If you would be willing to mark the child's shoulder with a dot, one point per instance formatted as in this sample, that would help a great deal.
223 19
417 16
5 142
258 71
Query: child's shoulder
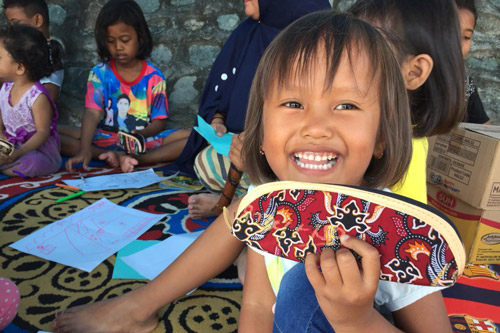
6 85
152 68
101 67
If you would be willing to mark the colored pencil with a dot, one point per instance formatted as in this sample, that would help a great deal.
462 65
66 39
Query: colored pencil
69 187
70 196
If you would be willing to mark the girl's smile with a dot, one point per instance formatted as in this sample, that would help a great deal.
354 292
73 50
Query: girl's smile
318 134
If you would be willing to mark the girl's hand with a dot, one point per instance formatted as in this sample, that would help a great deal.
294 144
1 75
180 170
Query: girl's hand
84 156
235 150
5 159
218 124
345 291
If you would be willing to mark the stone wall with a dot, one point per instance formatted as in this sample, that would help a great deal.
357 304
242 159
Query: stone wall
188 35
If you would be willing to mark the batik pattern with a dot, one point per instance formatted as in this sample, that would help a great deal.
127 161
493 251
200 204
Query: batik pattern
291 223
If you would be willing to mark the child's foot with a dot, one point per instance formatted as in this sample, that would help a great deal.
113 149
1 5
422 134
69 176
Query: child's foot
201 205
127 163
120 314
111 158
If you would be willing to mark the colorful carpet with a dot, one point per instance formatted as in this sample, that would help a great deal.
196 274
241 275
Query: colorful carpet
473 303
47 287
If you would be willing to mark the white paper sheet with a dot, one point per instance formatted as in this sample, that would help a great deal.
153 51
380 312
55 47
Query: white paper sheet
117 181
86 238
153 260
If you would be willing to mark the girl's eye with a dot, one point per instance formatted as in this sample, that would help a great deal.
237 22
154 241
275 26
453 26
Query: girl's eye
293 105
346 106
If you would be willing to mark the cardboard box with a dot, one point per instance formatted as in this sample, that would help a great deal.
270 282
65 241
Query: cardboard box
478 228
466 162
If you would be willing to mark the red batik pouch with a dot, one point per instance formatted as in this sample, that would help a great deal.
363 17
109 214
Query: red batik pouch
417 243
132 143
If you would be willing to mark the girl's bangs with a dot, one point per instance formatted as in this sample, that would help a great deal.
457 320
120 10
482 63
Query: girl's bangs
294 58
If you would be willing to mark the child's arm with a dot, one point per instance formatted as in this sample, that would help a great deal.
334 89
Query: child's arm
155 127
258 297
235 150
2 128
90 120
53 90
209 255
428 314
42 115
345 291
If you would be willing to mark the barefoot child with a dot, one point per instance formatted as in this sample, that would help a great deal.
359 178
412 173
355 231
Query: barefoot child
35 13
225 96
135 88
28 115
215 249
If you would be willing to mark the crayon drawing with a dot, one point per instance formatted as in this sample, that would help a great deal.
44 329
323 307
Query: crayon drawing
86 238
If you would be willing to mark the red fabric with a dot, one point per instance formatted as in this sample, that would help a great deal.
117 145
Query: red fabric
291 223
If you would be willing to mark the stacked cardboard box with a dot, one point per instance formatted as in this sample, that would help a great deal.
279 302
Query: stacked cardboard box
463 175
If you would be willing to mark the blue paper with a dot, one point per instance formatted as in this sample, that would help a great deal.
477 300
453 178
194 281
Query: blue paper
220 143
124 271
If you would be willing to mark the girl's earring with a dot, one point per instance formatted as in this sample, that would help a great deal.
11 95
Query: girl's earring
379 156
261 151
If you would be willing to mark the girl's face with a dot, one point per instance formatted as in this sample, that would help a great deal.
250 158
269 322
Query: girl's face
7 64
122 43
252 9
467 20
324 136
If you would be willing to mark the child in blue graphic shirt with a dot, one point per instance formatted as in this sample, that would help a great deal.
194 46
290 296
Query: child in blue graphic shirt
124 93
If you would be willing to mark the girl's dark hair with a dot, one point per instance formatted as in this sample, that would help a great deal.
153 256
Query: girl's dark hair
425 27
123 96
55 54
292 55
470 5
27 46
30 8
128 12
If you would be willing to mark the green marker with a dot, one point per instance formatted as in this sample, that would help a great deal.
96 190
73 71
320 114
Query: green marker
70 196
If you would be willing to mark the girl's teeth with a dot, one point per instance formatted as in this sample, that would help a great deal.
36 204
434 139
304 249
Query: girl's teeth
325 166
314 157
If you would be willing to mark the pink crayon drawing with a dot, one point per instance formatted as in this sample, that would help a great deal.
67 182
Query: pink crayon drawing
88 237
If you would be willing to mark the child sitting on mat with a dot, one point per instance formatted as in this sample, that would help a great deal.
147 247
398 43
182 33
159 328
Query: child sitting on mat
132 87
35 13
28 115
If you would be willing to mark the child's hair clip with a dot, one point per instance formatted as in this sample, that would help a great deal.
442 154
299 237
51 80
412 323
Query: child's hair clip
132 143
417 243
6 148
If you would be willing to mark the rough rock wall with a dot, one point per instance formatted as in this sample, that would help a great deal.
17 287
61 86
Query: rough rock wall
188 35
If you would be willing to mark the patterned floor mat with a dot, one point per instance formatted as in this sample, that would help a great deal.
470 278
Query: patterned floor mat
47 287
473 303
